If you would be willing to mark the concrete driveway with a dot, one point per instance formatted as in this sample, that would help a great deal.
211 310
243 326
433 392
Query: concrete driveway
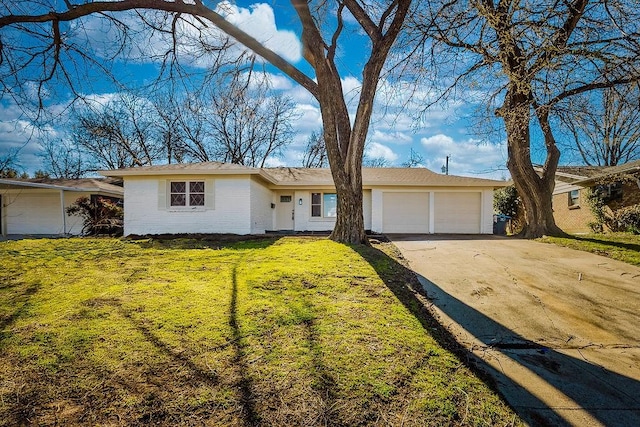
558 329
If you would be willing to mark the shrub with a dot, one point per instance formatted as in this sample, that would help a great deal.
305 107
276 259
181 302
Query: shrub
597 206
506 201
101 216
626 219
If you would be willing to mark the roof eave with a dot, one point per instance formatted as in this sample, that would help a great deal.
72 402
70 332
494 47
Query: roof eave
594 179
177 172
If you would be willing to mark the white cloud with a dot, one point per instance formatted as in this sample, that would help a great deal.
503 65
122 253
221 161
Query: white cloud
19 138
309 119
376 150
193 35
400 138
468 157
274 162
351 87
259 21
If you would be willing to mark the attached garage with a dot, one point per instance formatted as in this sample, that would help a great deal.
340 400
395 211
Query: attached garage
405 212
38 207
458 212
38 213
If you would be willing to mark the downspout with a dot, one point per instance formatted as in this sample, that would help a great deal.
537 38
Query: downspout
64 216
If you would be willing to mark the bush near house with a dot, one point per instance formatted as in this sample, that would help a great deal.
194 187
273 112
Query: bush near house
506 201
101 216
626 219
622 219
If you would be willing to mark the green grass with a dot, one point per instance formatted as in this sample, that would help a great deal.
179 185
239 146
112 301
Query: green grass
621 246
274 332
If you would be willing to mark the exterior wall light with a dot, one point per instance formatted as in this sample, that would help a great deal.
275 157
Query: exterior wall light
300 201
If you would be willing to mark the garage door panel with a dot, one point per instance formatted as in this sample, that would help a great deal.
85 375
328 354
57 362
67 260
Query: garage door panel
34 214
405 212
457 212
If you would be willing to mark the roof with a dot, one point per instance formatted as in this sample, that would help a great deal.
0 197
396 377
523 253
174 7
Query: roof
379 177
571 173
288 176
584 175
202 168
629 167
94 185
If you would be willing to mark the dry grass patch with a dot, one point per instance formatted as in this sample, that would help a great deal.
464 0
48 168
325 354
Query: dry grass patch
295 331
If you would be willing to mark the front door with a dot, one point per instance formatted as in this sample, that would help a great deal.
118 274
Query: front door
284 211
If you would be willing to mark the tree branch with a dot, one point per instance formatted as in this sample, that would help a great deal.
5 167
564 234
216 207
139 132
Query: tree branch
198 10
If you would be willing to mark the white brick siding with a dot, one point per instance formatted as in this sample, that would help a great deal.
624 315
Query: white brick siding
231 211
262 216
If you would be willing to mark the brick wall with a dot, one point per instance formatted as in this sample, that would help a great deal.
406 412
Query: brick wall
572 219
630 196
575 219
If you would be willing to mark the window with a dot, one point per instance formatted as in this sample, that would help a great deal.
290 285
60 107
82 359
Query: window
330 205
187 193
609 192
285 199
574 198
324 205
316 204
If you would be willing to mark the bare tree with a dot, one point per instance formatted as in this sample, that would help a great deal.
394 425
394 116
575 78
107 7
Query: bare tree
315 153
10 172
169 132
604 127
322 37
375 162
63 159
6 166
118 134
247 123
415 159
538 55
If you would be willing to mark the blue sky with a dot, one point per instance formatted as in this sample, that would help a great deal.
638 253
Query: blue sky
397 126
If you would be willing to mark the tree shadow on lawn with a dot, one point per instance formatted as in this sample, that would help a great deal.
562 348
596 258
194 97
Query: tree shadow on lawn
621 245
203 241
585 383
240 360
22 302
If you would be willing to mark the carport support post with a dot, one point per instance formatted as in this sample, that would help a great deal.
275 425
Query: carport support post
64 216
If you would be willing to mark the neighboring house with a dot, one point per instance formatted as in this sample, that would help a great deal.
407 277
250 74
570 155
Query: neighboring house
38 207
216 197
618 185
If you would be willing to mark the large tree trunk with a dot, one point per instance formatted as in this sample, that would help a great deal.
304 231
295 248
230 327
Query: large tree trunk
535 190
349 226
344 143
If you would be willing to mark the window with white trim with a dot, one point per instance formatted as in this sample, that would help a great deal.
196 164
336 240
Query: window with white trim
574 198
186 193
324 205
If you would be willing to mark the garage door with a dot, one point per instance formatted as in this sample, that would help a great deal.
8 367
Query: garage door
405 212
457 212
34 214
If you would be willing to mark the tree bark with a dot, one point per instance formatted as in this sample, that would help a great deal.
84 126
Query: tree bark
345 144
535 191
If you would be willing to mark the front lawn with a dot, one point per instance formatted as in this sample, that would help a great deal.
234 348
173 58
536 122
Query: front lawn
294 331
621 246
